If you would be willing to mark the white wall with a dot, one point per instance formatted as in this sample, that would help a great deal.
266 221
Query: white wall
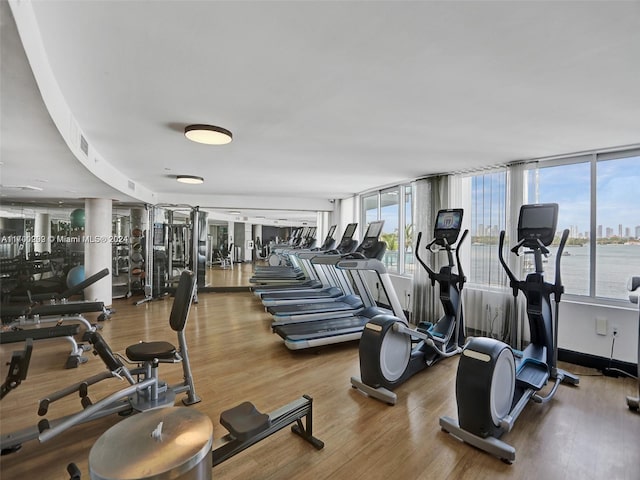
577 325
248 242
347 213
402 286
577 330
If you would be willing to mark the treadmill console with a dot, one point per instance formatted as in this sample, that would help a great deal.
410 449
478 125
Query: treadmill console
447 228
328 241
371 236
347 236
537 224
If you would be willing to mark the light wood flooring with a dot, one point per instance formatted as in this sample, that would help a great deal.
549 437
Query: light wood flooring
586 432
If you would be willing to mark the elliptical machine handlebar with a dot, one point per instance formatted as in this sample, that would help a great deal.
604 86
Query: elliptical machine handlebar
463 279
424 265
559 288
513 281
449 248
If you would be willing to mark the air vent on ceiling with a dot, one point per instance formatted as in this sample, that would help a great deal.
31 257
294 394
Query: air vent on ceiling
84 145
23 187
132 186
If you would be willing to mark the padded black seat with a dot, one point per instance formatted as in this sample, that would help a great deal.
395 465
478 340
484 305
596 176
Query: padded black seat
150 354
147 351
244 421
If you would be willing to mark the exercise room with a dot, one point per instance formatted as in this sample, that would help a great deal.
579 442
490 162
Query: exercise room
328 240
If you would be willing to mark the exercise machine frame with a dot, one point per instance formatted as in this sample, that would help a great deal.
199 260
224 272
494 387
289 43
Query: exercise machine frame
391 352
492 387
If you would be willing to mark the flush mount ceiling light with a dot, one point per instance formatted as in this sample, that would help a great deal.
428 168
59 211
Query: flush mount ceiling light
208 134
190 179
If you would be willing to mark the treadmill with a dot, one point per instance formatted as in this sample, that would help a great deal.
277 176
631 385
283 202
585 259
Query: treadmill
303 237
305 333
318 277
370 247
336 284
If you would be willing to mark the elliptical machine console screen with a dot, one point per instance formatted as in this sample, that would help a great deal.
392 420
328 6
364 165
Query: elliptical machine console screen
448 224
537 222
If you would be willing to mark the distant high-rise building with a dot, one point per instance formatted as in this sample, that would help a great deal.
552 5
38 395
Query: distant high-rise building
480 230
609 232
627 232
638 231
620 230
599 234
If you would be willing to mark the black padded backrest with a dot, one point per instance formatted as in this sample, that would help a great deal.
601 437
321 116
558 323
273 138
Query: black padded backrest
84 284
104 351
182 300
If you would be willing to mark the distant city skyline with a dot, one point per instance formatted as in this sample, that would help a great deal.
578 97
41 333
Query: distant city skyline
574 231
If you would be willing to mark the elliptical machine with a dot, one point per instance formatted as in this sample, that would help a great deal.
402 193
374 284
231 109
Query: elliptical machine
494 383
390 351
634 286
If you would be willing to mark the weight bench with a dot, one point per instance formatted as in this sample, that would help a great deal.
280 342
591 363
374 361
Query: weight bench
17 368
144 390
66 332
22 316
66 294
64 311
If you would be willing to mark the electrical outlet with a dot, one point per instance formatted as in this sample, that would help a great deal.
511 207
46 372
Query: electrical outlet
601 326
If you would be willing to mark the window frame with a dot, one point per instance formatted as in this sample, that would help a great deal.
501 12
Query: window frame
402 220
592 158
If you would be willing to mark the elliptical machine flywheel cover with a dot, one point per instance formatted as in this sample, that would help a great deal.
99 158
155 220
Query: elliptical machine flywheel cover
384 354
485 386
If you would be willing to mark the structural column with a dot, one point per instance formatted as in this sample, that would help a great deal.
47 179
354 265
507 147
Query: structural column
97 247
42 233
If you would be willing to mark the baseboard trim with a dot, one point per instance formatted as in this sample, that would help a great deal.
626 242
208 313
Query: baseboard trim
584 359
599 363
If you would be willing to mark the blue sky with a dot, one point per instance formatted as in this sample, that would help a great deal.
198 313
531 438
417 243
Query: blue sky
569 186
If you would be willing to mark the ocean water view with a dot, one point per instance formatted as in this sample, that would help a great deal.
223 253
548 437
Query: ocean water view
614 265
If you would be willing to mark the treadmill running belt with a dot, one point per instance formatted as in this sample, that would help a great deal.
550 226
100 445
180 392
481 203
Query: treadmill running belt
351 302
321 328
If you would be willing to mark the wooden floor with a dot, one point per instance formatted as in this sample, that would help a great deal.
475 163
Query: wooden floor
586 432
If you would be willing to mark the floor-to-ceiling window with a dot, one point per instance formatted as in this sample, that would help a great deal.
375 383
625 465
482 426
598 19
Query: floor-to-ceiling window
394 206
595 196
568 185
390 213
594 192
409 238
617 225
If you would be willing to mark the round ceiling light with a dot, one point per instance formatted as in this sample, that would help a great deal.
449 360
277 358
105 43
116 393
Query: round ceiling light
190 179
208 134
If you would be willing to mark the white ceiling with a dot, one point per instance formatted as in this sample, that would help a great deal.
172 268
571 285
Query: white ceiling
325 99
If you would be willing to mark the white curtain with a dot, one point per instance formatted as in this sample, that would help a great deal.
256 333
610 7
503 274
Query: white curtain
488 300
515 198
430 195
